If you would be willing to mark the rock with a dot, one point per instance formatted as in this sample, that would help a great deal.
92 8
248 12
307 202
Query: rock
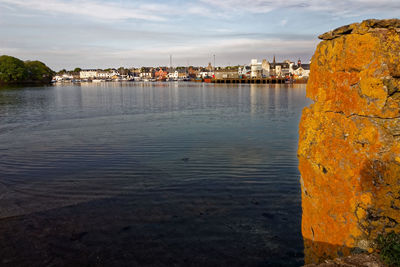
361 260
349 140
361 28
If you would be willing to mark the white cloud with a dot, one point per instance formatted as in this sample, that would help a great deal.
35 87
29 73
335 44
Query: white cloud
89 9
198 52
154 11
283 22
220 46
144 32
338 7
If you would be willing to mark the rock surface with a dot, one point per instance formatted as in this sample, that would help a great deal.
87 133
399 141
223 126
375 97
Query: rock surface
349 143
360 260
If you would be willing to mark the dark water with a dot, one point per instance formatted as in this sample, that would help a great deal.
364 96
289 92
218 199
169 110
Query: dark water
160 174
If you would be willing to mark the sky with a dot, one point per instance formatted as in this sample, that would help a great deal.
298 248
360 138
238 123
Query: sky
66 34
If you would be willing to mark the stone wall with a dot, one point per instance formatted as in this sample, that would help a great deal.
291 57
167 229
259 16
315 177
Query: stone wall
349 144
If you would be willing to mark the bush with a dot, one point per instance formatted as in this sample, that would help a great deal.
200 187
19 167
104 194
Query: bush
389 247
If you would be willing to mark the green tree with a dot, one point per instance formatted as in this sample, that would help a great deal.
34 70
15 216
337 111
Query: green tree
77 70
12 70
38 72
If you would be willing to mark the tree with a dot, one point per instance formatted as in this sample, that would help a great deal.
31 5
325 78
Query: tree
122 71
12 70
38 72
77 70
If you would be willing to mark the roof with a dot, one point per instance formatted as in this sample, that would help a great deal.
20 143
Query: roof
227 70
303 66
90 70
283 65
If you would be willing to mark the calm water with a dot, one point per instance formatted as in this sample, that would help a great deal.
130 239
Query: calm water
153 174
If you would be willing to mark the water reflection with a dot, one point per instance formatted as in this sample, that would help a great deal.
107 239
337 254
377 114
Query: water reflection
158 173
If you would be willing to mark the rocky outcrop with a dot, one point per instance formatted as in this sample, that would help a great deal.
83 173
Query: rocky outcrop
349 143
359 260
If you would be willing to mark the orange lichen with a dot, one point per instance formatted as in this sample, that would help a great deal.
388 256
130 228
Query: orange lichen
349 145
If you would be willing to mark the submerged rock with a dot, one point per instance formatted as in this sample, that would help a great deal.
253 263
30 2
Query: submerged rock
349 143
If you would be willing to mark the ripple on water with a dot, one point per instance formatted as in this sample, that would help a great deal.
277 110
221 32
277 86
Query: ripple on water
177 167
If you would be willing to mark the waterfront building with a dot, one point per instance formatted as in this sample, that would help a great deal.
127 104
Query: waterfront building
135 72
266 68
281 69
301 70
226 74
173 75
98 74
88 74
178 74
146 73
182 74
192 72
256 69
209 67
205 74
244 71
161 74
111 74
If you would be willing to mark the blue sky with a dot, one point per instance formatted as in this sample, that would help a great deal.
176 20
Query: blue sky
129 33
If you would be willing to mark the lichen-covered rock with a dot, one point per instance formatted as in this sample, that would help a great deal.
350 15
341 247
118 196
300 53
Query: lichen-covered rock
349 144
359 260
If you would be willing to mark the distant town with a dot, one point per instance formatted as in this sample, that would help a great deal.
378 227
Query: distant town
287 71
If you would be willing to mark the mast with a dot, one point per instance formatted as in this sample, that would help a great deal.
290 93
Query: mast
214 63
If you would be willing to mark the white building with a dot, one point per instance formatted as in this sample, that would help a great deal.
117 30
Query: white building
259 69
266 68
107 74
99 74
244 71
64 77
281 69
301 70
256 69
88 74
146 75
205 74
173 75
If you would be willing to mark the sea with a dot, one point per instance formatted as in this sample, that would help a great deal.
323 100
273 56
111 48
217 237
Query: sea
150 174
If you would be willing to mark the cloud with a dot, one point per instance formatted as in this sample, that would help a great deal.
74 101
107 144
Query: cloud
338 7
222 48
235 50
100 33
154 10
90 9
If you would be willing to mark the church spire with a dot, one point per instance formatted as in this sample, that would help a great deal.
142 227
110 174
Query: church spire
274 61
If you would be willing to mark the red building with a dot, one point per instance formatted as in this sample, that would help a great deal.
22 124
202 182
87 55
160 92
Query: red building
161 75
